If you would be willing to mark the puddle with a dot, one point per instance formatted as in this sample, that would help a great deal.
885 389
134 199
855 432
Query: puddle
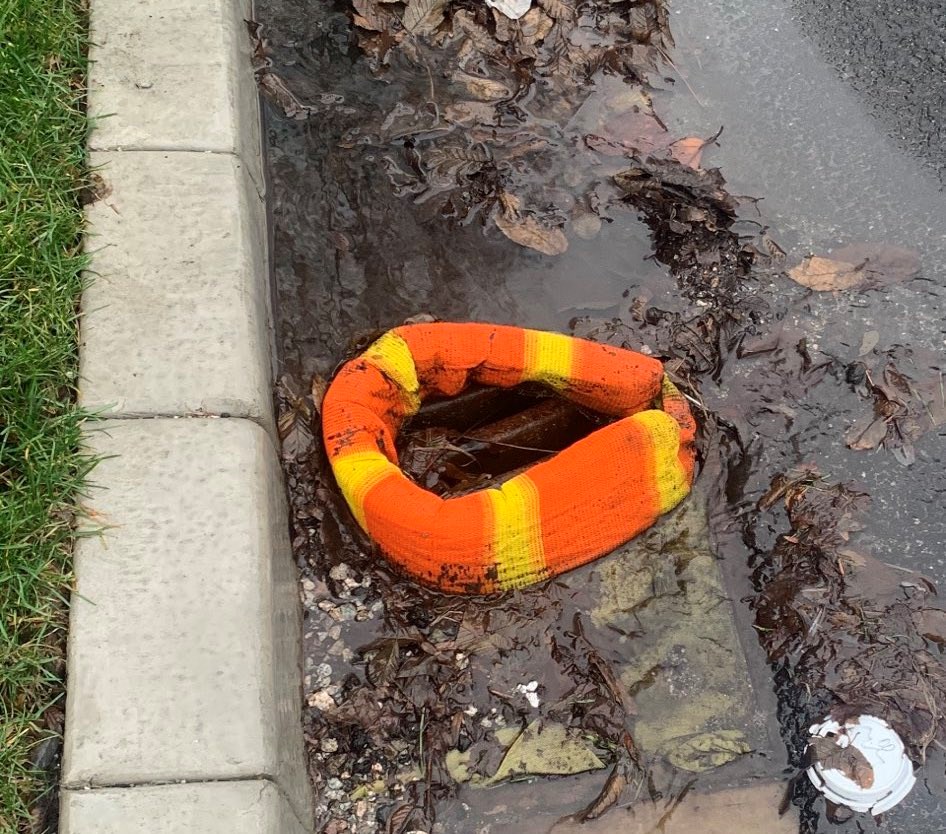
645 665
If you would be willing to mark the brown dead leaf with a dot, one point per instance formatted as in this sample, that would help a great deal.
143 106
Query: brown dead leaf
866 434
535 26
295 435
688 151
368 17
610 794
527 231
483 89
637 129
319 387
275 88
96 189
421 17
558 9
932 392
849 760
510 202
397 821
478 35
931 623
823 274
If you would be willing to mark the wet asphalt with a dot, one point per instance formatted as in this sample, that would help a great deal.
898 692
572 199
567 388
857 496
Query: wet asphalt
893 56
834 112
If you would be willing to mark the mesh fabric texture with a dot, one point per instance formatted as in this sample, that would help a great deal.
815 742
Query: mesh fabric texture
559 514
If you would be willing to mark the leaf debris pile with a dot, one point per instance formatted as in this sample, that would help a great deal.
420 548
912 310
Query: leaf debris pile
847 633
907 392
496 125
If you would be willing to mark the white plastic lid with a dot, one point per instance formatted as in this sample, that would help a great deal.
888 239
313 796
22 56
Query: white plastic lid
884 751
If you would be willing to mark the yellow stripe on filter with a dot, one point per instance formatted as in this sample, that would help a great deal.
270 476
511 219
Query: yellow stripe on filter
517 533
357 474
549 358
672 482
392 356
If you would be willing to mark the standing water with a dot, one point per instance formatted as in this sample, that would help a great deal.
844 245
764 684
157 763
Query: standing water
404 188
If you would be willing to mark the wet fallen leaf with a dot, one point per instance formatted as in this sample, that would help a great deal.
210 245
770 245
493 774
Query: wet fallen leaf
931 623
932 392
478 35
558 9
535 26
318 388
610 794
708 750
452 161
399 818
527 231
295 435
547 748
867 434
881 262
824 274
849 760
483 89
368 16
275 88
421 17
636 129
688 151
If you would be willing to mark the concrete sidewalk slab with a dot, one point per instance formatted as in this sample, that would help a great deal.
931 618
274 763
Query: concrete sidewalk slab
184 648
254 807
173 75
176 318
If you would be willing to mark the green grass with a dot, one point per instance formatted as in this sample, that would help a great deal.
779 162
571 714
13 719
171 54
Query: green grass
42 140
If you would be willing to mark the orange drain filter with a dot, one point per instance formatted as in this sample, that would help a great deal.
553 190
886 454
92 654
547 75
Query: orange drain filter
559 514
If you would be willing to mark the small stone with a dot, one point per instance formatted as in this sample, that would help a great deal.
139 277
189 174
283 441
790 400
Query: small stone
329 745
308 584
335 632
334 784
339 572
345 613
362 614
337 647
321 699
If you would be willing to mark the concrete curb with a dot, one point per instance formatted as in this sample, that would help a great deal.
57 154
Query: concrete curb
184 697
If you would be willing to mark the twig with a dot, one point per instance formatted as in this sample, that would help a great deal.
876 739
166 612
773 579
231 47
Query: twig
676 69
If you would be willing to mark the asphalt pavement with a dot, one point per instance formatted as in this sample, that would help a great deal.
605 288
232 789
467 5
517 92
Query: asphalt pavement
892 54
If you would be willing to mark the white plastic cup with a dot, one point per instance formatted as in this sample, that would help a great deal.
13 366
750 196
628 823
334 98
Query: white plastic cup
884 751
